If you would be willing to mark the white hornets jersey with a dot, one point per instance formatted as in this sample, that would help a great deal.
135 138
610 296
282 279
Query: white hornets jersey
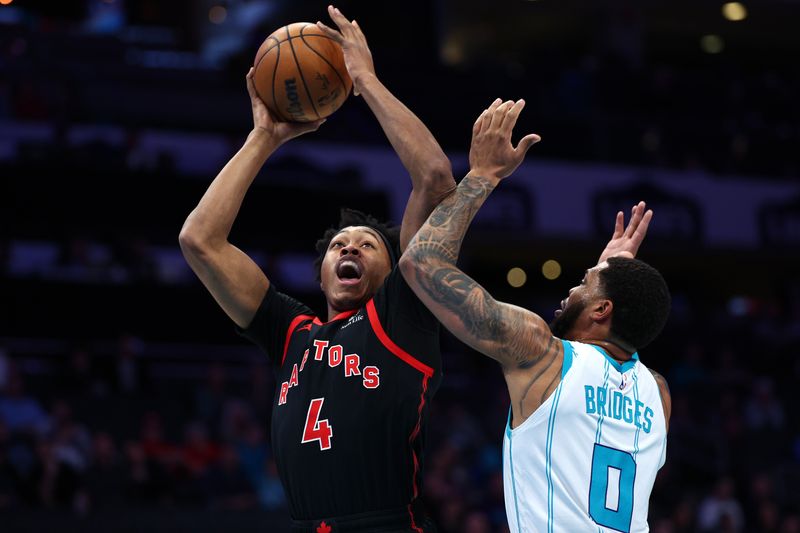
587 458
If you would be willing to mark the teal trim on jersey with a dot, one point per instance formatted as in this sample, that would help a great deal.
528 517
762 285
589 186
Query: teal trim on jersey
599 432
569 352
639 427
511 466
551 423
621 367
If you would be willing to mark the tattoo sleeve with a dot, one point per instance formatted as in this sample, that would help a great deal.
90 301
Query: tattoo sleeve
499 330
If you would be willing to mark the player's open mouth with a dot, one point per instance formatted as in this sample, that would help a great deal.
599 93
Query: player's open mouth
563 306
348 272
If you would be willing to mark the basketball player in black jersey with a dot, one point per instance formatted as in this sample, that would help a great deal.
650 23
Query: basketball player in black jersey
350 410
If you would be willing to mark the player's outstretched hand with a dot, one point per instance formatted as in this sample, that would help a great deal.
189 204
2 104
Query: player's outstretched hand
491 154
357 56
264 120
625 241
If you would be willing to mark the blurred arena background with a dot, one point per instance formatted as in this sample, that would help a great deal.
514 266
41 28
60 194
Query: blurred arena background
129 404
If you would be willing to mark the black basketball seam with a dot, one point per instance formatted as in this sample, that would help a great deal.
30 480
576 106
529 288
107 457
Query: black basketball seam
325 59
274 72
295 37
266 52
300 70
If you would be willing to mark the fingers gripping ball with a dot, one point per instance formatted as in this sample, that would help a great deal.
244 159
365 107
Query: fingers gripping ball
300 73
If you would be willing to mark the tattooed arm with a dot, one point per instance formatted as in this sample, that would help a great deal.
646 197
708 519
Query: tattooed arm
461 304
519 339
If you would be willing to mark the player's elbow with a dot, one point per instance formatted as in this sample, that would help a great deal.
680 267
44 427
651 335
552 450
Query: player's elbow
191 241
437 179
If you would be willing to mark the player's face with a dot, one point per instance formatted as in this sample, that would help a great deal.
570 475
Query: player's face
354 267
573 315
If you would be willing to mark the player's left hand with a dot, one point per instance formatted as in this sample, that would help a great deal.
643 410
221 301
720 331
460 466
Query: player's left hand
357 56
491 153
279 131
625 241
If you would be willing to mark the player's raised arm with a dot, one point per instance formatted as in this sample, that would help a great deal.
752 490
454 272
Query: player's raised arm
235 281
429 167
512 335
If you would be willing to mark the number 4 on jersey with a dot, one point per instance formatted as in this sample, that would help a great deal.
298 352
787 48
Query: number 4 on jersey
317 429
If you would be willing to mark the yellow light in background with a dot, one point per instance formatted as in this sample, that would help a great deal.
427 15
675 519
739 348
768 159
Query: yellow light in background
734 11
516 277
217 14
5 2
551 269
712 44
452 52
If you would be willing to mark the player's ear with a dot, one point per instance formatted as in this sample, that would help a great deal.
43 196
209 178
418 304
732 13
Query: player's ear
601 310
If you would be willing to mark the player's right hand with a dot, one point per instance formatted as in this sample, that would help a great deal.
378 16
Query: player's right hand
357 56
264 120
491 153
625 241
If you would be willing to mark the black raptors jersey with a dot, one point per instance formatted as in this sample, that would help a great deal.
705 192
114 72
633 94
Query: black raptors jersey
351 400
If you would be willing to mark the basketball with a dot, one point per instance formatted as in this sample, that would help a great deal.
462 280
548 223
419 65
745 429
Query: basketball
300 73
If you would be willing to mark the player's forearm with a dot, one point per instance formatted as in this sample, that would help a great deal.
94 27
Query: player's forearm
440 238
510 335
416 146
429 266
210 223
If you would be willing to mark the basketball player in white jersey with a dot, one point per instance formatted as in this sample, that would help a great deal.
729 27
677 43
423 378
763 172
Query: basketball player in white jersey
587 428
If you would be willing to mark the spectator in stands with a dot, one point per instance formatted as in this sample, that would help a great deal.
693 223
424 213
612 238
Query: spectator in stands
227 485
105 478
720 510
763 410
22 413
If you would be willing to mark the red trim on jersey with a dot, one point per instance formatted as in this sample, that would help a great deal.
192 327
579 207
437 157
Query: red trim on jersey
290 331
372 313
411 438
345 314
413 524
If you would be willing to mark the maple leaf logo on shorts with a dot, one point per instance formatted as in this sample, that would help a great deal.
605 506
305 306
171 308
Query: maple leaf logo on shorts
324 528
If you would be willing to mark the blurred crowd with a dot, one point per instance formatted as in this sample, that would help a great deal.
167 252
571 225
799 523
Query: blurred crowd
612 99
91 432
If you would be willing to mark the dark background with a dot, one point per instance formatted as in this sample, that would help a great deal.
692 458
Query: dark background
129 404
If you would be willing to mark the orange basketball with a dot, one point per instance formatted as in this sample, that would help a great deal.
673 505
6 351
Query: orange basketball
300 73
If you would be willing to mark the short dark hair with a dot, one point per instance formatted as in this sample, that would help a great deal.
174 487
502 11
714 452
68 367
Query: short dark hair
353 217
641 300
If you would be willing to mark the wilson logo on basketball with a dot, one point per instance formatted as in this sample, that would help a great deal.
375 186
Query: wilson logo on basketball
295 109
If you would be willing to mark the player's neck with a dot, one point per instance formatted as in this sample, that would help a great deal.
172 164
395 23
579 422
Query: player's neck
617 352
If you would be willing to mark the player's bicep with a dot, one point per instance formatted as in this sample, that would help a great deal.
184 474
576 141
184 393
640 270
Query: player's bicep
510 334
235 281
524 340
